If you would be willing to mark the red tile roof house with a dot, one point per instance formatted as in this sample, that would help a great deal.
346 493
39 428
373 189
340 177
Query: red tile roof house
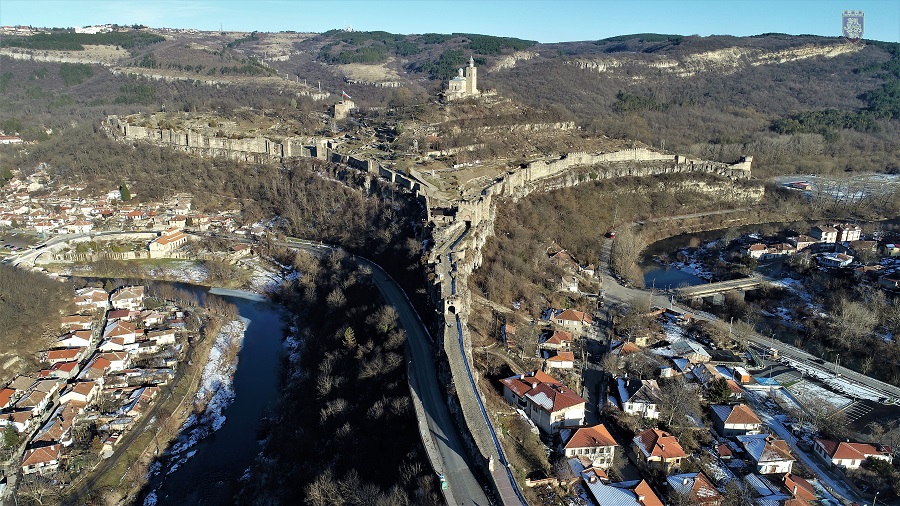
549 404
41 460
850 455
20 420
559 340
126 330
695 487
735 420
656 449
595 443
6 397
65 354
573 320
562 360
799 487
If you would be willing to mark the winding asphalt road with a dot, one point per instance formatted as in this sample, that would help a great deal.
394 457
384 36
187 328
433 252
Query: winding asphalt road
454 463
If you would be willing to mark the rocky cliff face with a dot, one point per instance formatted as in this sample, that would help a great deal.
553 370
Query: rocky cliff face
726 61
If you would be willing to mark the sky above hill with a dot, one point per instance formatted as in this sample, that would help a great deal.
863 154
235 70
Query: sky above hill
544 21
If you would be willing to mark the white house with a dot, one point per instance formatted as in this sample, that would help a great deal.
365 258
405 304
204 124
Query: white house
546 402
837 260
128 297
561 360
771 456
595 443
736 420
41 460
92 298
639 397
572 320
824 234
850 455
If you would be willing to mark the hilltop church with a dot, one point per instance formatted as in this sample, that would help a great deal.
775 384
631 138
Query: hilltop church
464 85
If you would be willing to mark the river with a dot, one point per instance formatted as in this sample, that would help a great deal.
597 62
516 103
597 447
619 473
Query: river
664 278
212 475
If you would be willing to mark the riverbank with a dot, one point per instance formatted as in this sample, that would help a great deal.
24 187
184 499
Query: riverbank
214 392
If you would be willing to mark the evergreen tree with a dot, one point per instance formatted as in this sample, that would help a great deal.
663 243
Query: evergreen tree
124 193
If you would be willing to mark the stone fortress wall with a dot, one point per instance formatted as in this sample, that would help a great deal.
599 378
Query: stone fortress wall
461 229
460 239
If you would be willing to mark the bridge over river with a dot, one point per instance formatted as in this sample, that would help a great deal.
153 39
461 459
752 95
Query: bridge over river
719 288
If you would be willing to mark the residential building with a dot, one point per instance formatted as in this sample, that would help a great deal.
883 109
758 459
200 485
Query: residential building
639 397
824 234
848 233
573 320
756 250
91 298
559 340
656 449
836 260
170 240
43 460
546 402
849 455
770 455
696 488
802 242
128 297
595 443
560 360
626 493
736 420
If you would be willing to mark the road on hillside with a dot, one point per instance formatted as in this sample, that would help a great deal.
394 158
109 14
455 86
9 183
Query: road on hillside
464 489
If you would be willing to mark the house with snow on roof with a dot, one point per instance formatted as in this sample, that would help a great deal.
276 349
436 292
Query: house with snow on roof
850 455
639 397
594 443
656 449
626 493
738 420
769 454
694 488
834 260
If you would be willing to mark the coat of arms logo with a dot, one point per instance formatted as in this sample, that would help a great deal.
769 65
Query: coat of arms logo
852 25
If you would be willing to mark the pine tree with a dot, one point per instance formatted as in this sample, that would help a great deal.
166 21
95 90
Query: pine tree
124 193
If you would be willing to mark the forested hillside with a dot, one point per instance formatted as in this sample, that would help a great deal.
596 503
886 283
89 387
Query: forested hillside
345 432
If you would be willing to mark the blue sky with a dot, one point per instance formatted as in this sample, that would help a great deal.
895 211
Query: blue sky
545 21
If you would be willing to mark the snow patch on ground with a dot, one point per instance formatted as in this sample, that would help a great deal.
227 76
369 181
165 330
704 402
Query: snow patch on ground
183 271
216 390
810 394
835 382
266 279
151 499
